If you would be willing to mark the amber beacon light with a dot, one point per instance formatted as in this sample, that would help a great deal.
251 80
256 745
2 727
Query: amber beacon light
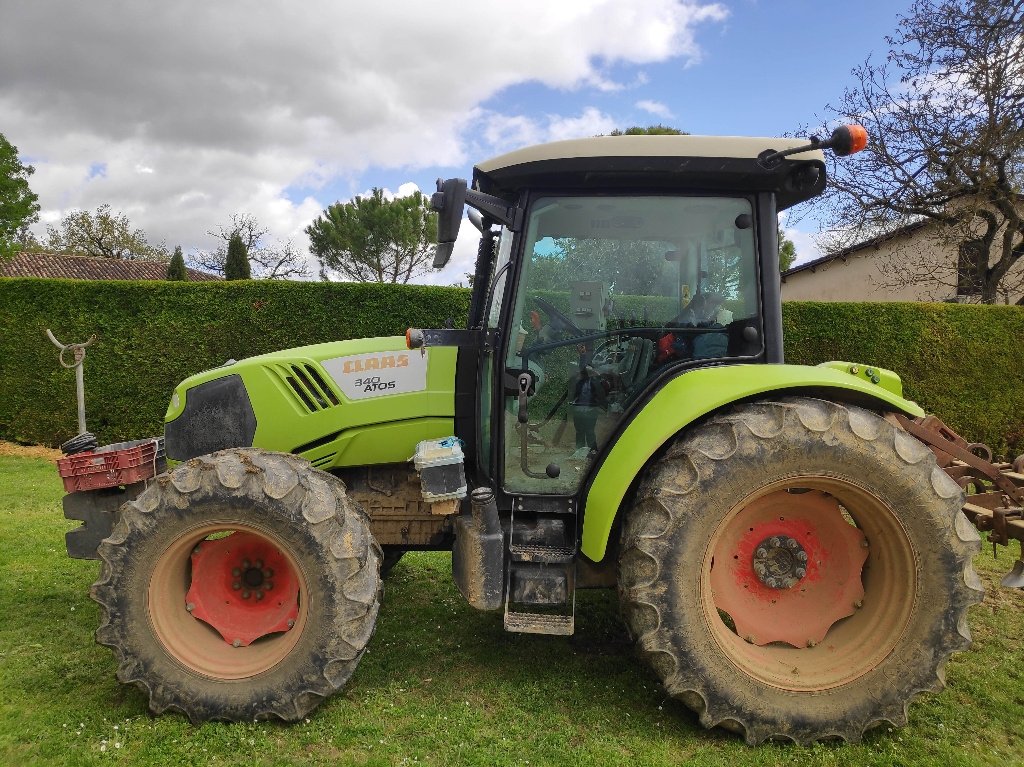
848 139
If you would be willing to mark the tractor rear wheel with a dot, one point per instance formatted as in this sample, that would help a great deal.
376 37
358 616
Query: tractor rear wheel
798 570
242 585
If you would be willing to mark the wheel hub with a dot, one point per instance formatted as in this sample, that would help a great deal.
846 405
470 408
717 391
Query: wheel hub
243 587
787 566
780 562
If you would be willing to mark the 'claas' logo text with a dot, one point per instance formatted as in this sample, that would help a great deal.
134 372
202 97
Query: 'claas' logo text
380 362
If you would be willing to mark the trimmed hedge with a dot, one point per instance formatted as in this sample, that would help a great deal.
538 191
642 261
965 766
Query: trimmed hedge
964 363
154 334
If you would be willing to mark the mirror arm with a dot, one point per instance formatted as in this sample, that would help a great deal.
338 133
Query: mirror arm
496 208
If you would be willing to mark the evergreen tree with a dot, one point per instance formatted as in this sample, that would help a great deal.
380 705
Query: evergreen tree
236 266
375 238
650 130
176 268
787 251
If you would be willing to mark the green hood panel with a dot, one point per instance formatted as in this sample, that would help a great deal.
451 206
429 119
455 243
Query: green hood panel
345 403
698 392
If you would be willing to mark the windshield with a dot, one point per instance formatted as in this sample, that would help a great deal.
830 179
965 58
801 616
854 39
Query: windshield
614 289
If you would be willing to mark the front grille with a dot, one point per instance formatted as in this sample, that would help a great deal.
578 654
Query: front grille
217 415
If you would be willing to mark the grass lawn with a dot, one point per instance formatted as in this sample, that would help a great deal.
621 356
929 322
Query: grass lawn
441 683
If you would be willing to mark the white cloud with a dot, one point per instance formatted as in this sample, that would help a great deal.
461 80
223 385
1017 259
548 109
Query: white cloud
407 189
503 133
590 123
655 108
198 110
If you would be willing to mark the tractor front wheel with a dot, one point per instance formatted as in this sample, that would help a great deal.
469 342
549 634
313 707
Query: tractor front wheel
242 585
798 569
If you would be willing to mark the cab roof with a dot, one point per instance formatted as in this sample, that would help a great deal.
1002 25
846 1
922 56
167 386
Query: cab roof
682 163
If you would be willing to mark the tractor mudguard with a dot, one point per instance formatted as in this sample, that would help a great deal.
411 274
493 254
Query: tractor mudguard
696 393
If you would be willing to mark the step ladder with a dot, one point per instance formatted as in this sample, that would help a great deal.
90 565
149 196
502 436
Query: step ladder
540 586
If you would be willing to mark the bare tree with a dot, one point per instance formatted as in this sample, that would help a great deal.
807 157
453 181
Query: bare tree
945 112
102 234
269 262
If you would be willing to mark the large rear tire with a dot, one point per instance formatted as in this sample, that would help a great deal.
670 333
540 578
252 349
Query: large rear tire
798 570
242 585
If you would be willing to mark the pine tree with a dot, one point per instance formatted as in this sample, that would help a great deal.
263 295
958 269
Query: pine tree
176 268
236 266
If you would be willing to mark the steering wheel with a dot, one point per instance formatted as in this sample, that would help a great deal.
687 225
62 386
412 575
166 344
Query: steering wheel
557 321
628 359
609 354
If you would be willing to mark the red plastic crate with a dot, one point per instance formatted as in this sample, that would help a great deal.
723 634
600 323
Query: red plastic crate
107 467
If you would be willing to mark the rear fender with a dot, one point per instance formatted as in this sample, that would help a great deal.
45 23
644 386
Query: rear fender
696 393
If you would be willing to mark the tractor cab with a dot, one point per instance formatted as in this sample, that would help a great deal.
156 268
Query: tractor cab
606 267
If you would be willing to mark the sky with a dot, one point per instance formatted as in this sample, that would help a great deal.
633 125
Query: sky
181 114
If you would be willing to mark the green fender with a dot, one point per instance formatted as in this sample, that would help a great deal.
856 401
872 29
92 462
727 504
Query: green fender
698 392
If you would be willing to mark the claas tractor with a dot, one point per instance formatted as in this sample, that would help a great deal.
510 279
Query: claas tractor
791 544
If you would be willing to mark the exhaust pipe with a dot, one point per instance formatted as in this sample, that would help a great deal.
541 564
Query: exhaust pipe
478 557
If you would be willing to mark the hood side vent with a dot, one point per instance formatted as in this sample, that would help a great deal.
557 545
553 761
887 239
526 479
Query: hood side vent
318 384
312 393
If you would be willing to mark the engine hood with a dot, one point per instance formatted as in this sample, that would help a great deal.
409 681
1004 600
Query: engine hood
317 401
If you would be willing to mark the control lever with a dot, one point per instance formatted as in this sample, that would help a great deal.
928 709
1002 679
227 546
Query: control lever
525 382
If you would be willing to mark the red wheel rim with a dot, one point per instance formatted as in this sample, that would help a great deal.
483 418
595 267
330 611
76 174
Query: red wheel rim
787 567
242 586
868 591
194 642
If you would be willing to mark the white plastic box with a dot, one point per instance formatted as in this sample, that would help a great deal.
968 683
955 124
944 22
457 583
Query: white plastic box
440 464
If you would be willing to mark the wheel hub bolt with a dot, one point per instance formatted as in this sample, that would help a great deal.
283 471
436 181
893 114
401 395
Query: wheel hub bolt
780 562
190 606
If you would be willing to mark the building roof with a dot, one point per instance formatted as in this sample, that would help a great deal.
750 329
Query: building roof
845 253
90 268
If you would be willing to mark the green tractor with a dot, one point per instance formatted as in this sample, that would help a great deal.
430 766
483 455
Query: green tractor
787 541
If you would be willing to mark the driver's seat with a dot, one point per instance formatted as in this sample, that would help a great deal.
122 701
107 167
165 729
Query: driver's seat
637 362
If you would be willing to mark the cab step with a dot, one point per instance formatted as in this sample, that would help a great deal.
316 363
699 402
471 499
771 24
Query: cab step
539 623
540 581
540 597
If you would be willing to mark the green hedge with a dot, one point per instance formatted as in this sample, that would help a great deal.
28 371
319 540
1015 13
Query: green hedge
964 363
154 334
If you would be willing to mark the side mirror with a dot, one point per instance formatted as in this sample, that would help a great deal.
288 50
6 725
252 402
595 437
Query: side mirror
449 201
